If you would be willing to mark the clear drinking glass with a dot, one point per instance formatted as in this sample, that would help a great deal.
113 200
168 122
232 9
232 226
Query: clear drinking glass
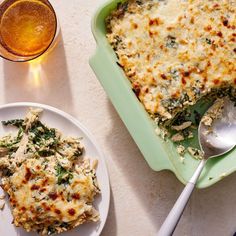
28 28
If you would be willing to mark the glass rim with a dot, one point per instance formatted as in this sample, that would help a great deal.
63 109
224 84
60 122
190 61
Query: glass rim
49 45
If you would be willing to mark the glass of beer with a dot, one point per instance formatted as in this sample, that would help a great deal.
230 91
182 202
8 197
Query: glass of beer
28 28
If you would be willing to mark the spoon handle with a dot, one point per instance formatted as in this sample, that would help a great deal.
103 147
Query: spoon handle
170 223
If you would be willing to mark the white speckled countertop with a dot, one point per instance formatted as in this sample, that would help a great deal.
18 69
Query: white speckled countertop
141 198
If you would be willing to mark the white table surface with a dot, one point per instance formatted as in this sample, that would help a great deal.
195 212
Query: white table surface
141 198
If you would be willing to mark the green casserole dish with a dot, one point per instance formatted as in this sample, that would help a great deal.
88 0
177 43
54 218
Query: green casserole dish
160 154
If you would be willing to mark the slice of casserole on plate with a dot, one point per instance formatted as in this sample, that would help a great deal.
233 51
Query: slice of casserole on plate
51 186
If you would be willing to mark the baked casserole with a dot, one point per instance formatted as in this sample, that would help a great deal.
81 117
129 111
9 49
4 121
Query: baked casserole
175 52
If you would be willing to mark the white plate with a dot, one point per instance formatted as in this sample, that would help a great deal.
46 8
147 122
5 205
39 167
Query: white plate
69 126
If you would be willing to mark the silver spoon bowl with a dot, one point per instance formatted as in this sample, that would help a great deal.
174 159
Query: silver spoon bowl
222 135
217 136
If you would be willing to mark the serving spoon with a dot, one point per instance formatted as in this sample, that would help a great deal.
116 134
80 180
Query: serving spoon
217 136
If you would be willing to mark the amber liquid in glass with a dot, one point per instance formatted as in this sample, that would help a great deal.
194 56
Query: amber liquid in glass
27 27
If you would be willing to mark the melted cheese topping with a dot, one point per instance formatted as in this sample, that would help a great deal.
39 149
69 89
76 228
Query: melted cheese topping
37 196
175 51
